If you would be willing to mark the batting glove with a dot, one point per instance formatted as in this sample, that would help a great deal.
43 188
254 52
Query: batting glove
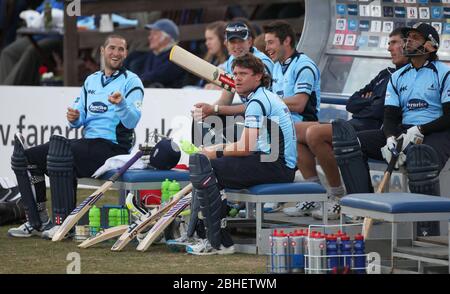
386 151
412 136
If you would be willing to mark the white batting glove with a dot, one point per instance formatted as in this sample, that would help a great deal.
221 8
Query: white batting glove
412 136
386 151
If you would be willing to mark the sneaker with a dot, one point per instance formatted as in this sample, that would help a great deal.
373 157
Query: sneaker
334 211
349 219
305 208
270 207
49 232
205 248
179 244
26 230
183 240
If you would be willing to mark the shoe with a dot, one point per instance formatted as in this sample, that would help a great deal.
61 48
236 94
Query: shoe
179 244
184 240
26 230
305 208
49 232
205 248
349 219
270 207
334 211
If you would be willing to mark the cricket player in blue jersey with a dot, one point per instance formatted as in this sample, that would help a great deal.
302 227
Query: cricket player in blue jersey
417 111
239 40
295 78
108 108
265 153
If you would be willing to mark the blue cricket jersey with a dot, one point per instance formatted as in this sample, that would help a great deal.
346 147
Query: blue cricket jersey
420 92
102 119
263 104
298 74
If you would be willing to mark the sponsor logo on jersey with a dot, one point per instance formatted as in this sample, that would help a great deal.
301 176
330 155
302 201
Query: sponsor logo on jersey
98 107
91 92
403 88
138 105
415 104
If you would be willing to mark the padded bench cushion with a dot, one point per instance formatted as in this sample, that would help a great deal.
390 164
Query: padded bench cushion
397 202
148 175
282 188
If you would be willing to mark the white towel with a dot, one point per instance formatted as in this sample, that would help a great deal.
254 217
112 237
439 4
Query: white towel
117 162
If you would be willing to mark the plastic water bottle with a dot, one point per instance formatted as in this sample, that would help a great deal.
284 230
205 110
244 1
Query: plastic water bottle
332 252
359 249
317 251
112 217
279 252
165 190
296 253
123 220
174 188
94 220
346 250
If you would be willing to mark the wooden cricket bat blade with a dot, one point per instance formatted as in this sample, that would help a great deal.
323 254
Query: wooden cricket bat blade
201 68
163 223
84 206
72 219
103 236
144 222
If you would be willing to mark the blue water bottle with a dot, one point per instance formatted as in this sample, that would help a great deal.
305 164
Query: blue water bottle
359 249
332 252
346 252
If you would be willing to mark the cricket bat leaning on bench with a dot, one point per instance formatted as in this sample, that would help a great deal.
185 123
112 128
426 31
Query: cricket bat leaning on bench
145 221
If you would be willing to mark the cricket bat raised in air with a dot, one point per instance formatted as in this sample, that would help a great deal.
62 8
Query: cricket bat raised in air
84 206
201 68
163 223
145 221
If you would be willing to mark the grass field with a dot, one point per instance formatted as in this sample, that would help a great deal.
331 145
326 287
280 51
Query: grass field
35 255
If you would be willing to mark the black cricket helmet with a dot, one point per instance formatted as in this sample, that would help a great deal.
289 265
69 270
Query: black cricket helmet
165 155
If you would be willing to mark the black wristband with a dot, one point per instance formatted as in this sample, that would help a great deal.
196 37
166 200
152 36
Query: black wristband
219 153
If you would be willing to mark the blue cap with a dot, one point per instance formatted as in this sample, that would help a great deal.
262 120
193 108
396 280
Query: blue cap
237 30
167 26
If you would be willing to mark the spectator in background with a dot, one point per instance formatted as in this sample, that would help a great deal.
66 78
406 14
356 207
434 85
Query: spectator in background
260 44
217 53
157 70
20 61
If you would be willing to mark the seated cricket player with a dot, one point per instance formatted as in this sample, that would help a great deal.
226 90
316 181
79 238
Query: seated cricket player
265 153
109 108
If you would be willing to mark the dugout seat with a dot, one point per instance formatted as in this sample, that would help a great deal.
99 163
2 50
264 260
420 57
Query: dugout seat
404 208
283 192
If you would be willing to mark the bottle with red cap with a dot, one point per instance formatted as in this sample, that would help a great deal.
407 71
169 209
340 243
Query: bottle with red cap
317 253
359 258
279 262
346 254
332 252
296 253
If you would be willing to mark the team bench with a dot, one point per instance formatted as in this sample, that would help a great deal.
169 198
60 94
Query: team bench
404 208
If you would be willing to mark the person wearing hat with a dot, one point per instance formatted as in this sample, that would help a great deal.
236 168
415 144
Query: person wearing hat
157 70
239 41
417 110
